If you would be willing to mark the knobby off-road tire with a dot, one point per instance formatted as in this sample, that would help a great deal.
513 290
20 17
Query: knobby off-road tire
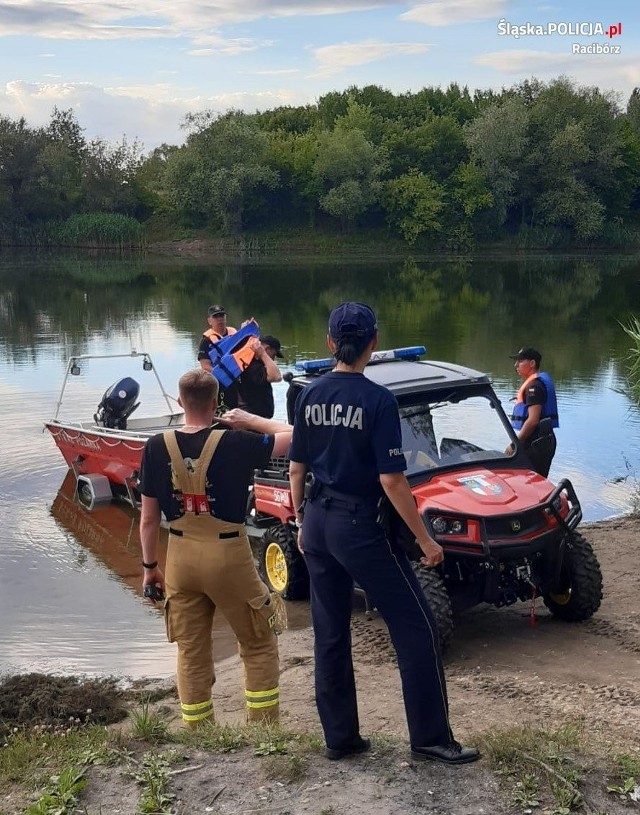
438 598
580 591
281 565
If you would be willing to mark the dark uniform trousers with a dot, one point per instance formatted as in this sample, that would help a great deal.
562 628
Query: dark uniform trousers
343 542
541 452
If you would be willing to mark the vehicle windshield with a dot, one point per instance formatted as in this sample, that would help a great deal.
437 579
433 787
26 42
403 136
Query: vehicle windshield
453 430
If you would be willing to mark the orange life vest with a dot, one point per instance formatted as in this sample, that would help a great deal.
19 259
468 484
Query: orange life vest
213 336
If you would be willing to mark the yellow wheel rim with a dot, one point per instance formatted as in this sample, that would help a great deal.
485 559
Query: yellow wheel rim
276 567
561 599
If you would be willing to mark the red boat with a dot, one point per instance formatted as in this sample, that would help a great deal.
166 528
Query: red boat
105 453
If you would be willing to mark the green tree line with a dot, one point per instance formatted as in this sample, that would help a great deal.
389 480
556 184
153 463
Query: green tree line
538 164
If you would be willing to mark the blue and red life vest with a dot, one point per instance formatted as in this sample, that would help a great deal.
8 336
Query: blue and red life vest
231 355
549 408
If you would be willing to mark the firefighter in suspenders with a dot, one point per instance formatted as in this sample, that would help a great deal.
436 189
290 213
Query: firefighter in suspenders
198 476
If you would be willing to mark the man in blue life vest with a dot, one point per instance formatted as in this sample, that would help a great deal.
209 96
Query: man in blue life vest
535 412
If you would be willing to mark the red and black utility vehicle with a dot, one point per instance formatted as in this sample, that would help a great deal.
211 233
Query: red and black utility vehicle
508 533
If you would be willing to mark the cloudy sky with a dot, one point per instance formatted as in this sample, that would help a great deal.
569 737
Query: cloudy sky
136 67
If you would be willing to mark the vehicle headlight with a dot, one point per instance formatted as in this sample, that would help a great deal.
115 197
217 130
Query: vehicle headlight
448 526
439 525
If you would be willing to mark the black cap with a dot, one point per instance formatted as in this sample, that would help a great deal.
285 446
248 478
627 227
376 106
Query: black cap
352 319
528 353
214 311
272 342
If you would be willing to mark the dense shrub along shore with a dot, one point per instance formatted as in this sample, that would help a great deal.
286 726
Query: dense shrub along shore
535 165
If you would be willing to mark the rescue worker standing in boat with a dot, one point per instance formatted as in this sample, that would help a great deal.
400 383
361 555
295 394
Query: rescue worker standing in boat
347 433
536 401
218 328
198 476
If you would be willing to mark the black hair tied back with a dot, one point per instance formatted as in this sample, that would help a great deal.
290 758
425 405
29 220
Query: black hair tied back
350 346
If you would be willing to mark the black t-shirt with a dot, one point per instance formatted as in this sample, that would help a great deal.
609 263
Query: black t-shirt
238 454
536 394
255 392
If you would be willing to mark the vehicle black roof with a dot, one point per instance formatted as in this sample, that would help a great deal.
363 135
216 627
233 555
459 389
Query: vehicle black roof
403 377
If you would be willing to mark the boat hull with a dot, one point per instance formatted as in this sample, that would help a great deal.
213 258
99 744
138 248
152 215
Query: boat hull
86 452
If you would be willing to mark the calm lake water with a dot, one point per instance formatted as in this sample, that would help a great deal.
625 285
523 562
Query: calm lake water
69 580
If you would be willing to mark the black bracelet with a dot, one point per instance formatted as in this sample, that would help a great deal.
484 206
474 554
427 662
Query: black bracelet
150 565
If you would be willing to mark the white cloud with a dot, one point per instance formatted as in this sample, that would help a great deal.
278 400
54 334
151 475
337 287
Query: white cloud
123 19
517 61
273 72
333 59
152 114
607 72
631 72
454 12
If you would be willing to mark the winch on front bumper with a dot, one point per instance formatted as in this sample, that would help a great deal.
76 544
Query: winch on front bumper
500 559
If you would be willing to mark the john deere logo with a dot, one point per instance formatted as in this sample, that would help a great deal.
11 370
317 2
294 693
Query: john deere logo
515 526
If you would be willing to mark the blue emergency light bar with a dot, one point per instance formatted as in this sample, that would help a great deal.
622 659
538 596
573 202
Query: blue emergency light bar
310 366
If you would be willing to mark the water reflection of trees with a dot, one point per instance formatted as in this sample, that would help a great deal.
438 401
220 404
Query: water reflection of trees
468 309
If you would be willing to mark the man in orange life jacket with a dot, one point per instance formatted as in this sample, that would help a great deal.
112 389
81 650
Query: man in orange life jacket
536 401
218 328
198 476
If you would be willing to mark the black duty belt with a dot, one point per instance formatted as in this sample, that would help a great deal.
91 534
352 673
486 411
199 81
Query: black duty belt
223 535
327 496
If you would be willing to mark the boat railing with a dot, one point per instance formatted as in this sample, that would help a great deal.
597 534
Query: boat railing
73 369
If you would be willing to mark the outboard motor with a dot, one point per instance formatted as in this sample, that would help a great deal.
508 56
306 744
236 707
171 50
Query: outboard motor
118 403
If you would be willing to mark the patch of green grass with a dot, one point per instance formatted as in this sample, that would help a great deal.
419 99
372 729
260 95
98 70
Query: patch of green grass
149 725
213 737
62 796
289 769
152 773
540 765
626 776
626 764
526 792
27 755
266 738
632 330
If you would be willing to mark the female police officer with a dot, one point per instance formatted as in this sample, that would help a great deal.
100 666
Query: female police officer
347 433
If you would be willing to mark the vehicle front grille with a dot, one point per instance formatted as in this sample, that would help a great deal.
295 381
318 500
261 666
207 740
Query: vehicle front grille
515 526
277 467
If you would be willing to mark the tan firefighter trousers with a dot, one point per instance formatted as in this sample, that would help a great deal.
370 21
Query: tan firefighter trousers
210 567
